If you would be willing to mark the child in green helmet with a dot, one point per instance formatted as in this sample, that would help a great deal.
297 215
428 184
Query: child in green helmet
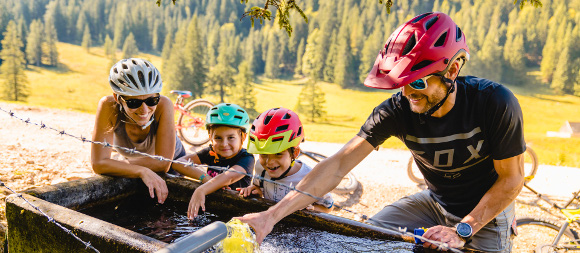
275 136
227 125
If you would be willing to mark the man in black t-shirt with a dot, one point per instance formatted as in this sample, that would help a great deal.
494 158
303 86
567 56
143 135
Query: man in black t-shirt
465 133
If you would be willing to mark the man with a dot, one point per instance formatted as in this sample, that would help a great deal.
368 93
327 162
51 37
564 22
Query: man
465 133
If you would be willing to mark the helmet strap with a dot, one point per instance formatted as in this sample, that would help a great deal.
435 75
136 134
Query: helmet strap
438 105
135 122
285 172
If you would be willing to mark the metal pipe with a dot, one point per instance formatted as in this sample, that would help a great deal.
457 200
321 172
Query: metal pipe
199 240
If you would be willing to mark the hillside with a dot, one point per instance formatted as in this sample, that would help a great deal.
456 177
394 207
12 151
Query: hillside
81 80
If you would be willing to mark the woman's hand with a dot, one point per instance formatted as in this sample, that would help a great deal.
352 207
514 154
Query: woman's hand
155 184
197 201
250 190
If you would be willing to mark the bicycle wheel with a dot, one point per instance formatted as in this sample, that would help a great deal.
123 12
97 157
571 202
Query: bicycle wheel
191 124
534 232
530 164
348 184
414 173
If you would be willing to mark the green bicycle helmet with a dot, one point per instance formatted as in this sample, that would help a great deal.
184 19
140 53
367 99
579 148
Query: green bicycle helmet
228 115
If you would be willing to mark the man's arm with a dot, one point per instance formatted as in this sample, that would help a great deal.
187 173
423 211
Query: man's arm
323 178
501 194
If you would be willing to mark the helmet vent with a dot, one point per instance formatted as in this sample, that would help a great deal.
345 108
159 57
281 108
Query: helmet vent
421 65
141 78
279 138
253 128
299 133
431 22
146 64
237 117
150 77
240 110
115 70
214 115
410 44
458 34
287 116
282 128
267 119
252 138
441 41
125 66
132 79
134 62
421 17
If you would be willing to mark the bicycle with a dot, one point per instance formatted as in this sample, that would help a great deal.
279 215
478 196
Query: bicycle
190 125
548 235
348 184
530 167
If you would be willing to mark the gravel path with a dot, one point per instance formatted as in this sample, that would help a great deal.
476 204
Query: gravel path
34 157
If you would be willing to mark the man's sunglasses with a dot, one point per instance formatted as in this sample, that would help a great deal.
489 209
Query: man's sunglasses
421 83
136 103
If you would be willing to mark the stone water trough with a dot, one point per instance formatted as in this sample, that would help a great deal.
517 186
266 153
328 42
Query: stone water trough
30 231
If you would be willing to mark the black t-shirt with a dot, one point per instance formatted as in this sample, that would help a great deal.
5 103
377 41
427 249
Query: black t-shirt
455 153
242 159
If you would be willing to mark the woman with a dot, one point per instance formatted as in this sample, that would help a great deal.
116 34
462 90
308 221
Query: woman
136 116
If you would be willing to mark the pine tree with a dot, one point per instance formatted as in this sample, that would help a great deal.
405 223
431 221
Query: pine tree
87 42
34 43
369 51
332 60
12 68
563 75
311 102
220 78
244 91
174 69
195 59
130 47
299 54
312 64
49 50
345 73
108 46
272 68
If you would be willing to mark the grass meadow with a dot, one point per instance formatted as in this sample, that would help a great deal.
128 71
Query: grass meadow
80 81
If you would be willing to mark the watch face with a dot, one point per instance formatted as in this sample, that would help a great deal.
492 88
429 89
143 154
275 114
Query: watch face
464 229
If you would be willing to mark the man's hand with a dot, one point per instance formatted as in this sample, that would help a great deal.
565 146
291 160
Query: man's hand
155 184
443 234
262 224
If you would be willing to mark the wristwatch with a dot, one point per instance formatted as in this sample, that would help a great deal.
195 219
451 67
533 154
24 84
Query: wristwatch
464 230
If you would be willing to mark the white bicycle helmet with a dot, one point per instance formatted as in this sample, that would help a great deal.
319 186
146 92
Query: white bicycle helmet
134 77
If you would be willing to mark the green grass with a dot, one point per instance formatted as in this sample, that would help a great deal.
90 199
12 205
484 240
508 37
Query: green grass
81 80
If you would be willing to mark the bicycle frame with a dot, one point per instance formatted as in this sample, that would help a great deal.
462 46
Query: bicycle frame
178 107
571 215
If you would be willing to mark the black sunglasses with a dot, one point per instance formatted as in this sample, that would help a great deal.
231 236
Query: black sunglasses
136 103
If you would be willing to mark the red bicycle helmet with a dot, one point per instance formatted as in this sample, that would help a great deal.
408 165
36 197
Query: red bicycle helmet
427 44
274 131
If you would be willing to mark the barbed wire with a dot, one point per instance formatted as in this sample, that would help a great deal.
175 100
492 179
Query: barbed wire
50 219
399 230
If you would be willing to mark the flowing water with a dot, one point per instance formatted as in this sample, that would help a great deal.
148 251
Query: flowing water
168 223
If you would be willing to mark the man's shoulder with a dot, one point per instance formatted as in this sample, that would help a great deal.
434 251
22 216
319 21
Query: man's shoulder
476 86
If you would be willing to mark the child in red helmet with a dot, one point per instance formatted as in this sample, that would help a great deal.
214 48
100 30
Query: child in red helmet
275 136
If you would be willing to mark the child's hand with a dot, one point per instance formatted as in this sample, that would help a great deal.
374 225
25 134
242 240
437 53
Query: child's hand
250 190
197 201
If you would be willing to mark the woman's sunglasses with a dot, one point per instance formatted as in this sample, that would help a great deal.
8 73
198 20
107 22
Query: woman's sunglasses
421 83
136 103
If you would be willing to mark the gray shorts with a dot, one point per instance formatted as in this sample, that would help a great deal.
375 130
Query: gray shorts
421 210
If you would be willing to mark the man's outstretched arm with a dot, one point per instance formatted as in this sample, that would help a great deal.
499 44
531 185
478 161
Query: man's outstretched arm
322 179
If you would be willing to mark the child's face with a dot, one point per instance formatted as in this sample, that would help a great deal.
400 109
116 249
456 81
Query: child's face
276 164
226 141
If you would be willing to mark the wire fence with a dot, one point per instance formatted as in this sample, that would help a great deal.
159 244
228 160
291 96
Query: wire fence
399 230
